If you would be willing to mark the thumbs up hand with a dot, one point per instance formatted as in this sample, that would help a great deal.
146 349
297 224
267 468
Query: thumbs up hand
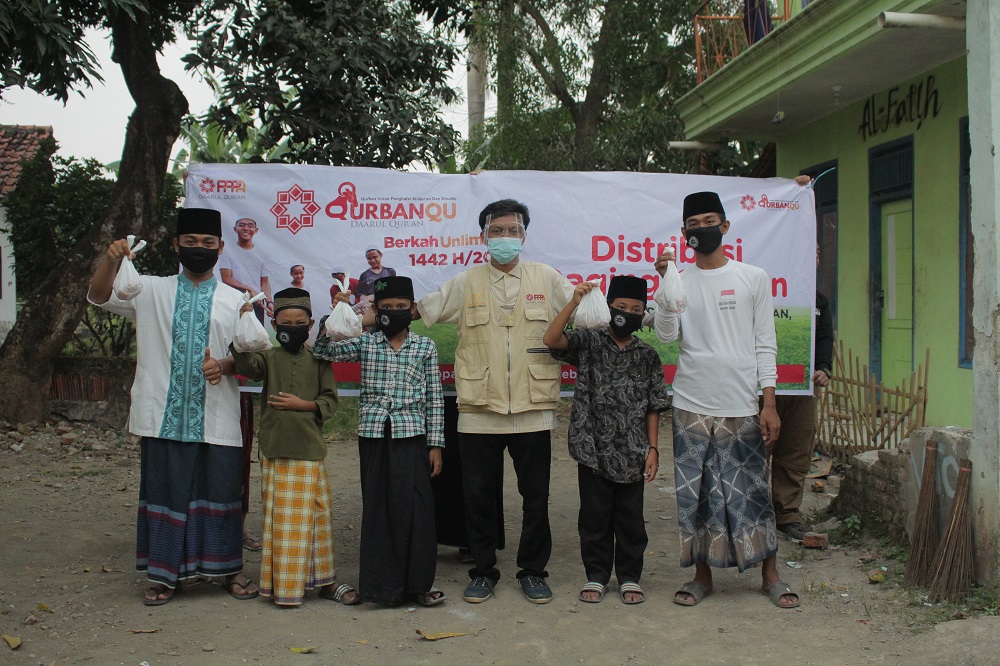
211 368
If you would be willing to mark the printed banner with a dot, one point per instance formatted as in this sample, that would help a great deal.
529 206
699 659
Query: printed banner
307 222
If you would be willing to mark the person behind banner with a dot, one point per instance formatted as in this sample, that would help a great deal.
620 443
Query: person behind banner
613 433
508 389
791 455
299 394
727 349
185 410
400 435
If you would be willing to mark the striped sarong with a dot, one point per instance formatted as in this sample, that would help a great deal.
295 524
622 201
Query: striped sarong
724 511
190 521
298 550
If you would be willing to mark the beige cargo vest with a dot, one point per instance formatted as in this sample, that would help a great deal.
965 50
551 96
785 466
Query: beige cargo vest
486 347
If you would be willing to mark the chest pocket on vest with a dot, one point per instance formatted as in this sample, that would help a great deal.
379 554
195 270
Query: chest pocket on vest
538 322
543 381
477 329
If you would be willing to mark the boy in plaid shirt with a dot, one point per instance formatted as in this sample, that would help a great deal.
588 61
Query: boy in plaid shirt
400 435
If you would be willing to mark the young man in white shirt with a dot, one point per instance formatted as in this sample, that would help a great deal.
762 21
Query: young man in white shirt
727 349
244 267
185 413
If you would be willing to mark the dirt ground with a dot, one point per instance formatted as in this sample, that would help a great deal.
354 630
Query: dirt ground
70 594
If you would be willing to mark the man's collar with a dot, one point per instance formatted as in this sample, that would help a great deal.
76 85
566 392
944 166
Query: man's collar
190 282
496 274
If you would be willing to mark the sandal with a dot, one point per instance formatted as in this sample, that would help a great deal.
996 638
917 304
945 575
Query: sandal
339 593
697 591
158 590
233 583
778 589
625 588
593 587
250 543
431 597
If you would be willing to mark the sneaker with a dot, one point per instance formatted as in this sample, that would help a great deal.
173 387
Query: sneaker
536 589
794 531
479 590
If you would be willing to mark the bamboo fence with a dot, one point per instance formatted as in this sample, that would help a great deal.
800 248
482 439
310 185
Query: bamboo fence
856 413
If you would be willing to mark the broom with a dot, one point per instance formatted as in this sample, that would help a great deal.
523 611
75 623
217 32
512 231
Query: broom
920 566
954 567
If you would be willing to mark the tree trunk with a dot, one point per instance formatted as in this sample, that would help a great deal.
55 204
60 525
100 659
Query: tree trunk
507 52
53 310
476 80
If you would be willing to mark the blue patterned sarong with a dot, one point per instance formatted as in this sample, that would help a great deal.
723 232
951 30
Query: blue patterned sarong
190 521
724 511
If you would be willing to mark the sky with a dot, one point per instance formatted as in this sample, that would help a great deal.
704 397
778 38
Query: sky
93 124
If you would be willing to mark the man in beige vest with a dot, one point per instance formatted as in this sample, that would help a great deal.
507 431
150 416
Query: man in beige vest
508 389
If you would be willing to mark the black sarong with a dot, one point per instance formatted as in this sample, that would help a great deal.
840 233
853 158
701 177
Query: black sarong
398 548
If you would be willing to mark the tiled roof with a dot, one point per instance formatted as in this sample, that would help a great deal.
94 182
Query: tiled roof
18 143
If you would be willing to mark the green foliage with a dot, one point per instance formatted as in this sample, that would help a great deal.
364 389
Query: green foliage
57 202
366 80
851 526
42 44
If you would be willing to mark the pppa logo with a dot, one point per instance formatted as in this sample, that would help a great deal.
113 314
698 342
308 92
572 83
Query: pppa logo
207 185
295 209
534 297
748 203
230 186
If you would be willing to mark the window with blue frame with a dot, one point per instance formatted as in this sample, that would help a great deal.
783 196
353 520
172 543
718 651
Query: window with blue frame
966 258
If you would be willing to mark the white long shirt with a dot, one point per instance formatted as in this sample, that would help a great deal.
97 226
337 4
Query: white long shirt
174 322
727 341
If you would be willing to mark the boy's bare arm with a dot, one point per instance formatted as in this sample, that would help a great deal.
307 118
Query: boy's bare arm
653 455
555 337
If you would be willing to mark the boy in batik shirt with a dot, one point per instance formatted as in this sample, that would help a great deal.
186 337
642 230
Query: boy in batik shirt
620 393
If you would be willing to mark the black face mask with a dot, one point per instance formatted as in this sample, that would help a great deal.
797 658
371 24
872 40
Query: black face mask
704 240
624 324
391 322
292 337
198 260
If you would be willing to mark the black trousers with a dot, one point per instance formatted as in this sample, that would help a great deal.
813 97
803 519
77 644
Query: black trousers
612 529
482 476
449 497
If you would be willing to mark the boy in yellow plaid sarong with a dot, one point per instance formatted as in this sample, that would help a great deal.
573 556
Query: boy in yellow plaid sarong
299 394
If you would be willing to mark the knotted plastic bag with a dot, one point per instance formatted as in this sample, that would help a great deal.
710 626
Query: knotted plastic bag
127 284
250 335
343 322
593 311
670 294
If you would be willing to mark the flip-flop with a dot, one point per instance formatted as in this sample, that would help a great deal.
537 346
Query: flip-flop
338 593
232 583
251 544
593 587
159 589
695 589
634 588
778 589
428 598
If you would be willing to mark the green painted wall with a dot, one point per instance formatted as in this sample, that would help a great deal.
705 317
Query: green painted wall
935 211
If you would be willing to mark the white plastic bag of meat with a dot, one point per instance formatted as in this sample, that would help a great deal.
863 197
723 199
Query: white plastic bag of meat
127 284
343 323
670 294
593 311
250 335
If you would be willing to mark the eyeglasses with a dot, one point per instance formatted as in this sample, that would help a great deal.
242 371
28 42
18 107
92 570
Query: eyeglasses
501 230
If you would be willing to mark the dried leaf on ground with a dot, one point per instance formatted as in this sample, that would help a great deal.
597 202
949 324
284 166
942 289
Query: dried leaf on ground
44 607
143 631
13 641
304 650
